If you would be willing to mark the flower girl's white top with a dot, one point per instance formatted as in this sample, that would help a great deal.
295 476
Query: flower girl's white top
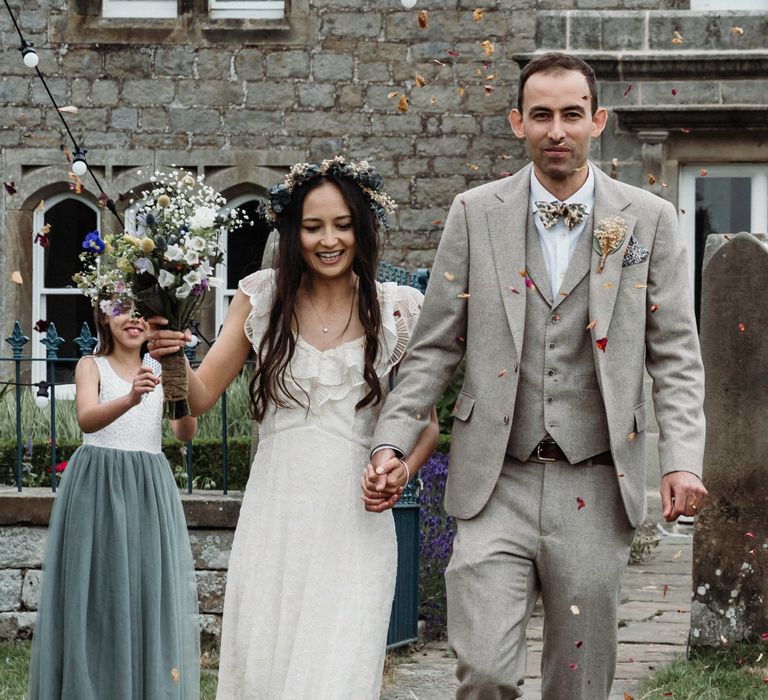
138 429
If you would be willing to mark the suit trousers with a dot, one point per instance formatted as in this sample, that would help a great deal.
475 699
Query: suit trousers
556 530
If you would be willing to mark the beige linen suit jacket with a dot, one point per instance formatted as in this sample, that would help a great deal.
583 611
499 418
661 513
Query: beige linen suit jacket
475 305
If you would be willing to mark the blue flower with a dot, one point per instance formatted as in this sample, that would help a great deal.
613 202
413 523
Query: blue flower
94 243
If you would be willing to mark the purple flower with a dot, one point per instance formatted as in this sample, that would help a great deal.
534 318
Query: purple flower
94 243
200 288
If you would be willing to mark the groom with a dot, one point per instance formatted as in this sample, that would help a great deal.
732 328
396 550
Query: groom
560 287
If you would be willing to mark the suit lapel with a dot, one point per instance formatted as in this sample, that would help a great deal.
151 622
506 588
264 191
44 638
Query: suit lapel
578 268
536 266
604 286
508 246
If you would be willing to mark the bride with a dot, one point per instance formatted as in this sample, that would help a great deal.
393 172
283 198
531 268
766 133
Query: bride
312 571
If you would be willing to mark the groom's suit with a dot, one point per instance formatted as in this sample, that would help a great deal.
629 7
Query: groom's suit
569 367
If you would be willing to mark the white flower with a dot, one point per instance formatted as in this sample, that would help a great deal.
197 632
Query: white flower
183 291
193 278
215 282
173 252
191 258
196 243
106 306
202 218
166 279
205 268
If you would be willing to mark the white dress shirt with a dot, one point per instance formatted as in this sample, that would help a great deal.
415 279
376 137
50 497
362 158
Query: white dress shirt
558 243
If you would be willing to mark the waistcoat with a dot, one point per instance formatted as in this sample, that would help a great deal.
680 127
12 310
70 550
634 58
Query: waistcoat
558 392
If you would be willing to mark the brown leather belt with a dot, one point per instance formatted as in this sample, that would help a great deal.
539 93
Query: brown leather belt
549 451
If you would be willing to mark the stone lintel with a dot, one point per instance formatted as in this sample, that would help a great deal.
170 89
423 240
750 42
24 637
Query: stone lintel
663 65
697 119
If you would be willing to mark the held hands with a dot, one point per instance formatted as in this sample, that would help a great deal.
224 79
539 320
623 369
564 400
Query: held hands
143 383
383 481
161 342
682 493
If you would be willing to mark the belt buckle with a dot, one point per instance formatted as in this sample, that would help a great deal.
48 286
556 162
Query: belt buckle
542 458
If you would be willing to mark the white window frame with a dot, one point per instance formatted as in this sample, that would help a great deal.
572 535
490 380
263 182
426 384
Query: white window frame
40 292
139 9
757 172
246 9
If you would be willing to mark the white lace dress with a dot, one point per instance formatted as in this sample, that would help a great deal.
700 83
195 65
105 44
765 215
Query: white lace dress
312 574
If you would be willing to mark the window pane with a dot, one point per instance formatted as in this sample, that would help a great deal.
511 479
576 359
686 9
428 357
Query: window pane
245 245
247 9
70 220
68 312
723 205
156 9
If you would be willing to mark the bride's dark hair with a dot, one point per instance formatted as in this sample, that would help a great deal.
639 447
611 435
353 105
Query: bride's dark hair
277 346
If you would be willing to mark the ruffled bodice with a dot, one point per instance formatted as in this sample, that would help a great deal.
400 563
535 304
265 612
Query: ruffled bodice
139 428
329 383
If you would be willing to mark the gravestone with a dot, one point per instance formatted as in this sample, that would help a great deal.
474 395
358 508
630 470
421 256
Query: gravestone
730 545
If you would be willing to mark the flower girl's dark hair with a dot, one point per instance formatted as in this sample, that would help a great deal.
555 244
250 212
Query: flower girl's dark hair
276 349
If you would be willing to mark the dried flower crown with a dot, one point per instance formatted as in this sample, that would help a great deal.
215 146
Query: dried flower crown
364 175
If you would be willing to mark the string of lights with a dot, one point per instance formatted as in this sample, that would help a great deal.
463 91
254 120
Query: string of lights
79 163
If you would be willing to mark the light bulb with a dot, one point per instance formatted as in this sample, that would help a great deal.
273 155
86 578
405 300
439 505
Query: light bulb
408 4
28 55
41 401
79 166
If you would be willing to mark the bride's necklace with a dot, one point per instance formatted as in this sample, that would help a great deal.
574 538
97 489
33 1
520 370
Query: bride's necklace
323 324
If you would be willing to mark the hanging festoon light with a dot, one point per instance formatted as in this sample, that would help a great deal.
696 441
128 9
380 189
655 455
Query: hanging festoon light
28 54
79 165
408 4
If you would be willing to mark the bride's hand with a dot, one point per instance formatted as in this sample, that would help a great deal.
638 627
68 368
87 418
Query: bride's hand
161 342
377 501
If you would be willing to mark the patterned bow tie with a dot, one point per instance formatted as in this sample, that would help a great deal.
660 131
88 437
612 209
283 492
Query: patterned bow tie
549 212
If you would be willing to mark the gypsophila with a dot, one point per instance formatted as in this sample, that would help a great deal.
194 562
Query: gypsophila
361 173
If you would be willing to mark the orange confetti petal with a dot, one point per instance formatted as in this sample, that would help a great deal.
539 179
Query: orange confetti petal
461 89
420 81
523 272
69 109
402 104
449 276
423 19
40 206
433 101
472 166
677 38
478 14
640 285
608 285
488 89
651 179
16 277
488 47
463 295
436 222
392 94
631 437
591 324
737 31
703 172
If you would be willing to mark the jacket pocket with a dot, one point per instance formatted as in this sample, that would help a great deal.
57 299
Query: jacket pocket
463 407
588 382
641 417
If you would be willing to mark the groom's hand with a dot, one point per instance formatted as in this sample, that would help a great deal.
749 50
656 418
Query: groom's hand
377 501
682 493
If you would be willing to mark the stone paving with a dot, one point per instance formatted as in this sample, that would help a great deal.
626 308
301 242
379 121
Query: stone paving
653 618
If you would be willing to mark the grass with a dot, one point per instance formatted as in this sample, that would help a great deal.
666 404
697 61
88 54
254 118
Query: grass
14 666
736 673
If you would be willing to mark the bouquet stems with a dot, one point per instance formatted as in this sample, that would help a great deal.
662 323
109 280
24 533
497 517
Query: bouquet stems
174 379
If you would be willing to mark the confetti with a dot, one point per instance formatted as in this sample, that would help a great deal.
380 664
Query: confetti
572 666
40 206
513 290
478 14
423 19
439 63
75 184
42 239
102 200
175 675
575 609
703 172
580 503
523 272
436 222
627 91
742 328
461 90
402 104
433 101
502 372
46 229
677 38
67 154
674 92
69 109
627 696
631 437
420 81
723 639
601 343
620 474
506 173
749 534
677 554
737 31
665 590
579 644
41 326
529 283
651 179
492 76
392 94
591 324
10 187
16 277
764 637
488 89
640 285
563 294
463 295
454 54
654 308
472 166
449 276
686 130
608 285
488 47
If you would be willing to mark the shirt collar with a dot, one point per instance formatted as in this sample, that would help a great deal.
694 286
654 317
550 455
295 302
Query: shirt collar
584 195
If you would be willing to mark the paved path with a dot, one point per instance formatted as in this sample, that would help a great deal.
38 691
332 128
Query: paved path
654 620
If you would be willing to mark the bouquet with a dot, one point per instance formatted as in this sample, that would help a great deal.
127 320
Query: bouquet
163 263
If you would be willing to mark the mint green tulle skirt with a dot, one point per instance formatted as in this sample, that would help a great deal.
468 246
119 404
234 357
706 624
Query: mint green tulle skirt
117 618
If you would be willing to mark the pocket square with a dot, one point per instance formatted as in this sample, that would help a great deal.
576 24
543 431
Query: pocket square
636 253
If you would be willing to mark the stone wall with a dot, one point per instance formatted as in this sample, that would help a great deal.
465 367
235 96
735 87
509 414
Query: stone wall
23 531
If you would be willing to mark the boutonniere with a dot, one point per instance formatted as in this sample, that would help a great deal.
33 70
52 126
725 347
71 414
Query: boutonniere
609 235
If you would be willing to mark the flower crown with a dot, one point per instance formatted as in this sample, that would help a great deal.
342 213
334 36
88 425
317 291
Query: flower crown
361 173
